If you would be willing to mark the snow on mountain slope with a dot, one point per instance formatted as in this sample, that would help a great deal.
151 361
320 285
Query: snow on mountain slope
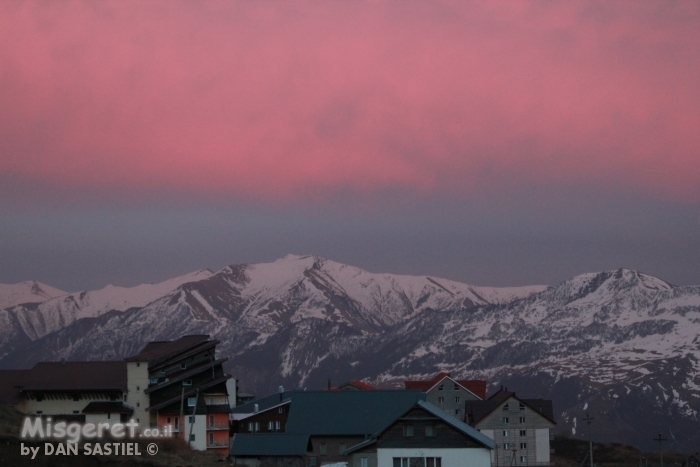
26 292
29 321
623 342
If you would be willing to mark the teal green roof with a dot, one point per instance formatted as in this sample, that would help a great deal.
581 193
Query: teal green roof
269 444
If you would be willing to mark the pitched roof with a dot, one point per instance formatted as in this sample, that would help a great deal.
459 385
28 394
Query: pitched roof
158 349
108 407
74 376
355 383
264 403
475 386
8 380
347 412
439 413
478 410
269 444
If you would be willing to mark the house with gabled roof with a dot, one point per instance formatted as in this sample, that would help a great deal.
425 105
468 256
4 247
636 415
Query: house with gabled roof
520 428
65 390
349 426
448 393
423 436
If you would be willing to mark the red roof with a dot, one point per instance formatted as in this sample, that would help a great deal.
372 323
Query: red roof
476 386
356 383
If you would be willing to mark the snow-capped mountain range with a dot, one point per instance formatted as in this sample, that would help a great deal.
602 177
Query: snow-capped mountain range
621 344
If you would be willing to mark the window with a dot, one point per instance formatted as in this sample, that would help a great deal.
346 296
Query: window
39 412
187 382
183 366
109 416
190 419
523 432
313 461
506 433
76 397
523 445
408 430
167 421
363 462
506 446
505 420
138 388
341 448
458 399
76 411
507 460
456 387
177 423
211 439
505 408
522 419
456 411
39 397
191 401
441 387
124 397
280 410
253 427
441 400
138 404
523 459
429 430
211 401
211 420
192 437
323 450
154 381
400 462
277 426
270 426
522 407
433 461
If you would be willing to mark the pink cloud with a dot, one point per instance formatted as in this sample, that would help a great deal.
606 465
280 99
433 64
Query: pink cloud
277 99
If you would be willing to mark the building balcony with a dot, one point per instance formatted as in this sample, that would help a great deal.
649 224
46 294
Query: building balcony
218 426
216 444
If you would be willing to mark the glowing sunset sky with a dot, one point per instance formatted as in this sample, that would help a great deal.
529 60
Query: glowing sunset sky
492 142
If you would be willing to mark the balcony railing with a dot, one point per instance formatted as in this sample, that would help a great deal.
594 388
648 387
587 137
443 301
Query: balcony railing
218 426
217 444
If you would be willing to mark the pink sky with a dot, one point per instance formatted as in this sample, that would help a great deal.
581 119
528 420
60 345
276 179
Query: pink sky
286 100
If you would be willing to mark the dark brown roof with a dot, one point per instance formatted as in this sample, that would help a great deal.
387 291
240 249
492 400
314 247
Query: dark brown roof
8 380
75 376
107 407
478 410
475 386
158 349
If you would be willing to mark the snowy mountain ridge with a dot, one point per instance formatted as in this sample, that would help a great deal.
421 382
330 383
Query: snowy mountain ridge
623 343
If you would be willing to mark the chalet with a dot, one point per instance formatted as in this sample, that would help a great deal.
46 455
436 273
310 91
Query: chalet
182 384
361 428
75 391
520 427
448 393
424 436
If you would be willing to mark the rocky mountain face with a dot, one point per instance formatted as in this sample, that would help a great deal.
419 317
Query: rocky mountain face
620 344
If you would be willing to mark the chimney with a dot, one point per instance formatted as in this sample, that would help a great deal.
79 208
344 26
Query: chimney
63 361
280 389
329 384
256 408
